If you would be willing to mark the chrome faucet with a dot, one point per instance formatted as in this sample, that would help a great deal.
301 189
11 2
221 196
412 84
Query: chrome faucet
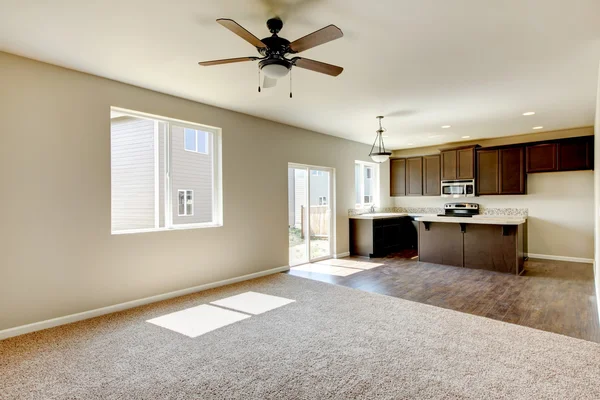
372 210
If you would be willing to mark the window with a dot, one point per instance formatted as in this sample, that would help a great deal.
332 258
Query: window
366 183
165 174
317 173
185 203
195 140
322 200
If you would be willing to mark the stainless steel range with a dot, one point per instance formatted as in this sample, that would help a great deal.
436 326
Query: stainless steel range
460 210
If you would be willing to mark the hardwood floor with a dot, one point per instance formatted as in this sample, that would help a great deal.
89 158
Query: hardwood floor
554 296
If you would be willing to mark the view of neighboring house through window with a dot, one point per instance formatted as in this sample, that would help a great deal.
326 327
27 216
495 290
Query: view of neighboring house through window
366 183
195 140
165 174
185 202
322 200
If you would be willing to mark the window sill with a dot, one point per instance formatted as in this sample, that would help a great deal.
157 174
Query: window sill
173 228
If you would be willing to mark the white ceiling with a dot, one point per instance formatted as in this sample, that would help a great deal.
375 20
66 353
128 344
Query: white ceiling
475 65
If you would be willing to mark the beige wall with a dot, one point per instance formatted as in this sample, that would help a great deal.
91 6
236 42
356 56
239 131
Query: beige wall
57 254
561 204
597 197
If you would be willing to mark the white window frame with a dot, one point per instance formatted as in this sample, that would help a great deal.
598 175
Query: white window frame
196 141
185 196
361 179
217 181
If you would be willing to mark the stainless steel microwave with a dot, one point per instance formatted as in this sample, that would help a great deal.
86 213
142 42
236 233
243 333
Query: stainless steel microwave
458 188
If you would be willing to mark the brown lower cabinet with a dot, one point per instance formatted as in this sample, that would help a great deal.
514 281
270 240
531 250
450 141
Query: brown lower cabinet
479 246
494 248
379 237
440 243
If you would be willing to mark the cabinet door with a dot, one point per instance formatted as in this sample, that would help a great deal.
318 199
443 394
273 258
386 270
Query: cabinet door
541 158
574 154
487 172
449 165
414 176
466 163
512 171
431 176
398 177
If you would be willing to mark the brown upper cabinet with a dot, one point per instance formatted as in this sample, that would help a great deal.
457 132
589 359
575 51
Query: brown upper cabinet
487 172
458 163
431 176
501 171
570 154
398 177
414 176
542 158
449 165
512 170
576 154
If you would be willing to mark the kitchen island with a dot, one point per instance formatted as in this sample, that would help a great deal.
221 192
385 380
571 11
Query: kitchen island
479 242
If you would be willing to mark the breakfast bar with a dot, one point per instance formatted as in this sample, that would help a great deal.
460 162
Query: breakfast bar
479 242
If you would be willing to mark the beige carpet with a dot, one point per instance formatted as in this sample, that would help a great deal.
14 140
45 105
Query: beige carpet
332 343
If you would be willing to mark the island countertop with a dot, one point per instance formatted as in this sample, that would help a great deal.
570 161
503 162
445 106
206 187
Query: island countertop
476 219
388 215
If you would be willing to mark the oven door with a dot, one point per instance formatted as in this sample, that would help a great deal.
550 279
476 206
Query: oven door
454 190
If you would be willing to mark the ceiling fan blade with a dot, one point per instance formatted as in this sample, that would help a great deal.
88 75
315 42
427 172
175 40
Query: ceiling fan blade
226 61
241 32
269 82
317 38
317 66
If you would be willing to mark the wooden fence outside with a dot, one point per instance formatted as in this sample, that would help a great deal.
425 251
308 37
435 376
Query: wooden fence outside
320 217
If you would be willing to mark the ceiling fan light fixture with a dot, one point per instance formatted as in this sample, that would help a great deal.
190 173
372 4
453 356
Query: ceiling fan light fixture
275 68
378 152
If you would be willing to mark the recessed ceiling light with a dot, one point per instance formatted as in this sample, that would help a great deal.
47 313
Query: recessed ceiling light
529 113
446 126
538 127
465 137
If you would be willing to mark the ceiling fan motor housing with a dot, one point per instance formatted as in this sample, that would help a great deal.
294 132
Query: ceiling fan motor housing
274 25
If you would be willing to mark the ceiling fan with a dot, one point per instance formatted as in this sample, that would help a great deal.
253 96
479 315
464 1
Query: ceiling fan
274 50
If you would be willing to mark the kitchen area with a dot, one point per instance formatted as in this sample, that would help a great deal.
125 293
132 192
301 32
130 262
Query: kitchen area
461 232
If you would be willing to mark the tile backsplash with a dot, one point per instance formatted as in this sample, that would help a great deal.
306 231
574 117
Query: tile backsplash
516 212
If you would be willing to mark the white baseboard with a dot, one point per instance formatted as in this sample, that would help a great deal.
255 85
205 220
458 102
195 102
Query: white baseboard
50 323
561 258
342 255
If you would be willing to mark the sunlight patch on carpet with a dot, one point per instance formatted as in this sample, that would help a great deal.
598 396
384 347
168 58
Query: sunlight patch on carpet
252 302
196 321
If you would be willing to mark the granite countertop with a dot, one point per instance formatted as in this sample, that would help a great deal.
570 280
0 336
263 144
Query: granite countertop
378 215
476 219
388 215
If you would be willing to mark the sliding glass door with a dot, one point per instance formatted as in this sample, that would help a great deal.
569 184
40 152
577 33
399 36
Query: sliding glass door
310 222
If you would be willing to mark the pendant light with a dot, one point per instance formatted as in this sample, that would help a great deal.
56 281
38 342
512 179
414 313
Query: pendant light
379 154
